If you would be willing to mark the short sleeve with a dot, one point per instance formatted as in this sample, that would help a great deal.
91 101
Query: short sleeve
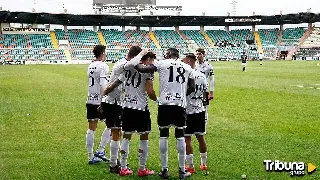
210 70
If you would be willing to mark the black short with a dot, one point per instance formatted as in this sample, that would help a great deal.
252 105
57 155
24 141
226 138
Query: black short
196 124
112 114
93 113
171 116
134 120
260 59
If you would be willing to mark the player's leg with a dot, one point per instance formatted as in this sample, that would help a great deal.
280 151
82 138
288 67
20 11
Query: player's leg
105 139
113 121
260 62
189 131
180 123
92 116
200 131
164 124
144 128
124 154
128 127
243 67
203 151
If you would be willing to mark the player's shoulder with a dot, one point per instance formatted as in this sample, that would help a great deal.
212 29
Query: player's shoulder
198 74
208 64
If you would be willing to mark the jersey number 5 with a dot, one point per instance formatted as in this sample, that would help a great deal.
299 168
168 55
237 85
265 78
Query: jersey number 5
91 79
180 77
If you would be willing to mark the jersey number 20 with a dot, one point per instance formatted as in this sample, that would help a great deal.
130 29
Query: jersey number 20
131 79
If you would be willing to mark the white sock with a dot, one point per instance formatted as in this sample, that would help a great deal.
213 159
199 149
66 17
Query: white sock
163 143
203 157
114 149
105 138
181 147
124 153
190 161
90 143
144 154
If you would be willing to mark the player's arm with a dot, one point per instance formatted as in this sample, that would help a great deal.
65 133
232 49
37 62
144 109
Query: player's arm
211 83
136 60
191 86
115 84
112 86
191 83
146 69
150 91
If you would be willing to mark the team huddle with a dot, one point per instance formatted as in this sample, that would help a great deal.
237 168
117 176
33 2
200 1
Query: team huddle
121 99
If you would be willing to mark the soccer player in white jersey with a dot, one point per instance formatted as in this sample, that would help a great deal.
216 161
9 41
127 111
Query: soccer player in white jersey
112 109
175 77
260 58
97 80
207 69
196 122
135 104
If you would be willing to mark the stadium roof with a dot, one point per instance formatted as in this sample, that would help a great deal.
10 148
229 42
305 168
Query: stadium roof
154 21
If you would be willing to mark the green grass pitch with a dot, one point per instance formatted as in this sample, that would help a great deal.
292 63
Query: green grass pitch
269 112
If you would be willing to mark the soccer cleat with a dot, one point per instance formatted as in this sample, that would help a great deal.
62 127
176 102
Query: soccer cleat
126 172
184 174
94 160
115 170
102 155
145 172
190 170
203 167
164 174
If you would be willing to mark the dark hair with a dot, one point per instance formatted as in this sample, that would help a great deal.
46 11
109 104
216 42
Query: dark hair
148 55
98 50
134 51
201 51
173 53
191 56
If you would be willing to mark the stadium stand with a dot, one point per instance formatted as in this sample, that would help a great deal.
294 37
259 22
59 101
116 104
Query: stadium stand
170 38
81 42
28 47
196 36
310 49
291 36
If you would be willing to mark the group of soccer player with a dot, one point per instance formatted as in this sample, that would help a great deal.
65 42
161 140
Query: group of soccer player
244 59
121 99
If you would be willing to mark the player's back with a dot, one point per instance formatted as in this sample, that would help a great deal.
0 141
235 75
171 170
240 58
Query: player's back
134 84
114 96
244 58
96 70
173 76
195 99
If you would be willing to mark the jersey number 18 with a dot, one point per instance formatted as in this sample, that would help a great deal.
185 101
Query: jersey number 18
180 77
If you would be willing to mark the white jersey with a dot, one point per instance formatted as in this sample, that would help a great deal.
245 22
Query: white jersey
260 56
195 99
205 68
97 78
134 84
173 76
115 96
